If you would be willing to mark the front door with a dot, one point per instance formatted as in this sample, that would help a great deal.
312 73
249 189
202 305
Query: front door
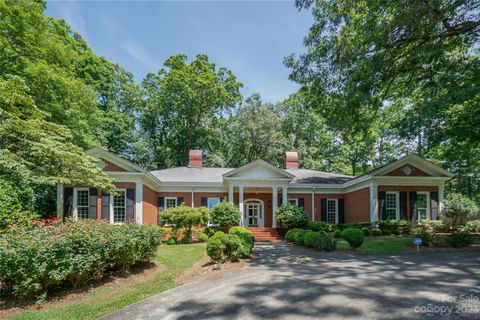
253 214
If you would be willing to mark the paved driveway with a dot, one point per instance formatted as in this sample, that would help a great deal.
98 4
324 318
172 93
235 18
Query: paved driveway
286 282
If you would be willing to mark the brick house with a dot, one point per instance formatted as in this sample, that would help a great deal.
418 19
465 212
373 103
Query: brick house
409 188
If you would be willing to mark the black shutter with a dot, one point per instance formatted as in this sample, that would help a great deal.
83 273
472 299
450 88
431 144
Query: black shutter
179 201
413 206
130 204
105 206
403 205
92 208
323 209
383 207
161 203
341 211
204 202
434 205
67 202
301 203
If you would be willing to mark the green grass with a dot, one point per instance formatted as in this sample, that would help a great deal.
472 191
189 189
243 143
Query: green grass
379 244
106 300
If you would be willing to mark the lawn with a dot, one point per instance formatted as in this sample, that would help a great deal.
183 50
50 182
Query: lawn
380 244
102 301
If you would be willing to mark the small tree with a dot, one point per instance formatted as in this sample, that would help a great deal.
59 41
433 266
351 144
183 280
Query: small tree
459 206
291 216
185 217
225 214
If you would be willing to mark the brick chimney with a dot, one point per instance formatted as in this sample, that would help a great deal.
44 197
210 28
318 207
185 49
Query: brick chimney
195 158
291 160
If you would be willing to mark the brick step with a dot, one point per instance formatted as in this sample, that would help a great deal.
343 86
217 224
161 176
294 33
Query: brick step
266 234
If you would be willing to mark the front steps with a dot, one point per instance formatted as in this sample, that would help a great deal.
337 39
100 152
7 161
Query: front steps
266 234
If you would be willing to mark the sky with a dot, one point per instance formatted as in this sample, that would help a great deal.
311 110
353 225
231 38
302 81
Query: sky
251 38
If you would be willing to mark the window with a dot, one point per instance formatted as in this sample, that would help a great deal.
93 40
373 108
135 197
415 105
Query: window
212 202
82 204
170 202
119 210
332 205
422 206
293 201
392 205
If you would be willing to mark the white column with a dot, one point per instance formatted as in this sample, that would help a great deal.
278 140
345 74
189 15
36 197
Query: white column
60 201
230 193
193 198
284 196
313 204
139 202
373 203
240 203
274 206
440 200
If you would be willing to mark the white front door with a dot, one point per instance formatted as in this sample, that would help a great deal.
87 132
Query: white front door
253 214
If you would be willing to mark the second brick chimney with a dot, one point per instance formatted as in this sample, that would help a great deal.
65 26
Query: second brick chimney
291 160
195 159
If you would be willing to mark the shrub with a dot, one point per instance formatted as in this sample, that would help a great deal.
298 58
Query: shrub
290 235
185 217
203 237
434 225
323 242
376 232
403 226
396 232
426 237
458 206
291 216
223 247
299 235
472 226
225 214
386 232
459 239
247 239
210 231
38 258
354 225
317 226
354 236
310 237
366 231
337 234
172 240
185 239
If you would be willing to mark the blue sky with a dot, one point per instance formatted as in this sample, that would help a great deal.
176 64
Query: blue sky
251 38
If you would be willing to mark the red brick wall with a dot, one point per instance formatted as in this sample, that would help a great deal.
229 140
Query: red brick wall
318 198
149 206
187 196
415 172
307 201
408 189
357 205
197 197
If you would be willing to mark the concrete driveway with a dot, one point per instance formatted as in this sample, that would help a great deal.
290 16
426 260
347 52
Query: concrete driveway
287 282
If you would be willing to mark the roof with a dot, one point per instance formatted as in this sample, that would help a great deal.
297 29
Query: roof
304 176
215 175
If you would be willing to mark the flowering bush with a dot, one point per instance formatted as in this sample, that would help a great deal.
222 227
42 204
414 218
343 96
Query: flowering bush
290 216
36 258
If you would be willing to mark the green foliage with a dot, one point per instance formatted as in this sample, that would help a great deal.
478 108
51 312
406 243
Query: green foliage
203 237
472 226
426 237
291 216
225 214
355 237
386 232
459 206
323 242
337 233
376 232
299 236
183 217
354 225
289 236
223 247
247 239
366 231
172 240
459 239
185 239
389 226
317 226
35 259
434 225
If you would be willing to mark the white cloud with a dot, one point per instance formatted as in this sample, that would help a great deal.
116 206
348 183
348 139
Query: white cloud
140 54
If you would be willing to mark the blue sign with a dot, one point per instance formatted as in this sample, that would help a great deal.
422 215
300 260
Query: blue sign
417 241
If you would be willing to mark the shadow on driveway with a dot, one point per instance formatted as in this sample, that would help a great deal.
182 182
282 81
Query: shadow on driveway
288 282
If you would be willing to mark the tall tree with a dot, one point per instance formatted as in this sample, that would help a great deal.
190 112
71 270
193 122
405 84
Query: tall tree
182 103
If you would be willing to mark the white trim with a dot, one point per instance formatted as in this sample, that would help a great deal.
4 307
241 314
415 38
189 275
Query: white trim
274 206
336 208
429 214
124 190
60 200
75 210
373 203
169 198
313 204
261 211
138 203
293 199
262 163
440 201
397 203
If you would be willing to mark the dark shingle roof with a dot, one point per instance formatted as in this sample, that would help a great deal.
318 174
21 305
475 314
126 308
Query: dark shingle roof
305 176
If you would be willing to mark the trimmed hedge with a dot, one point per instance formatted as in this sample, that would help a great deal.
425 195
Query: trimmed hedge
317 226
459 239
237 244
354 236
313 239
35 259
388 226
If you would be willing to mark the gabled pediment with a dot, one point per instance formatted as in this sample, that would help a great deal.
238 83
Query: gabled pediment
112 162
258 169
411 166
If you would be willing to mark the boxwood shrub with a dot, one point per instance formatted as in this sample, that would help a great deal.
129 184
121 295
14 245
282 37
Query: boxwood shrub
313 239
299 235
472 226
376 232
366 231
317 226
337 234
237 244
354 236
35 259
459 239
